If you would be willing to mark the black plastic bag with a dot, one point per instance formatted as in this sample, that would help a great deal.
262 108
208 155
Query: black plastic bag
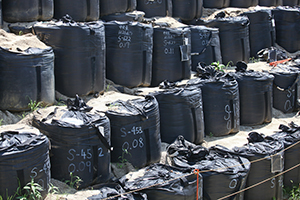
155 8
243 3
108 7
270 2
187 10
126 16
216 3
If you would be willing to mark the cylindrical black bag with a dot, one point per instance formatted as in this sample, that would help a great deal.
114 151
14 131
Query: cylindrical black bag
187 10
290 136
243 3
26 77
24 155
291 2
181 113
261 30
271 154
270 2
80 10
27 10
135 131
234 37
80 144
168 183
79 55
219 167
205 45
216 3
287 24
155 8
255 90
171 55
129 53
220 96
286 88
108 7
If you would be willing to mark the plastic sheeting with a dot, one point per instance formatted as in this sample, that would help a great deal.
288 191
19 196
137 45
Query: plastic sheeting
286 88
129 53
223 171
135 130
168 183
108 7
270 2
27 10
261 30
127 16
216 3
205 45
171 54
187 10
255 91
80 143
287 24
79 50
24 154
234 37
80 10
181 113
271 153
243 3
220 96
290 136
155 8
26 76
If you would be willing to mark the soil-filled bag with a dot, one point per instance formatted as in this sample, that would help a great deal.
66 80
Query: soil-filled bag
261 30
167 183
286 88
220 96
80 10
234 37
27 10
187 10
223 172
135 131
270 154
243 3
290 136
290 2
181 113
287 24
24 155
255 90
80 142
108 7
129 53
171 54
79 50
216 3
205 45
25 77
155 8
126 16
270 2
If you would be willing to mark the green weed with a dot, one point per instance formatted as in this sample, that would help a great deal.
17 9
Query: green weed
74 182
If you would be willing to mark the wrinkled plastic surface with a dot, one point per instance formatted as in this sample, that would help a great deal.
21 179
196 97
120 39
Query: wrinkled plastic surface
23 154
286 88
181 113
108 7
77 146
27 10
270 2
261 30
79 55
287 24
223 171
168 183
243 3
26 76
129 53
135 127
255 93
127 16
262 148
216 3
80 10
155 8
205 45
171 54
187 10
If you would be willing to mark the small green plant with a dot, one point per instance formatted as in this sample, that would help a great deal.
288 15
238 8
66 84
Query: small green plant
211 134
292 193
1 123
33 105
74 182
122 159
254 60
21 33
107 87
32 191
221 67
53 189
